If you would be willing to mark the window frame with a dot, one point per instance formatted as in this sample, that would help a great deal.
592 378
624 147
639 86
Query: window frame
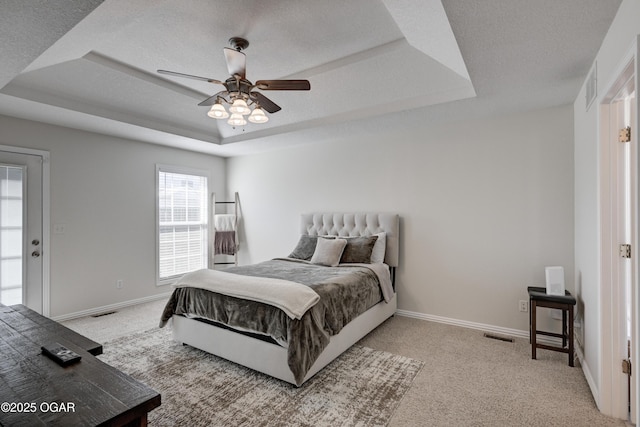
186 171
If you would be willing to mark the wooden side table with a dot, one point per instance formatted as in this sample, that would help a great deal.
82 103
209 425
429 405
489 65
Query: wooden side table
538 297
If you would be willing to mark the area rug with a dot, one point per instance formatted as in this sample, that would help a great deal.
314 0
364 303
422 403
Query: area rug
362 387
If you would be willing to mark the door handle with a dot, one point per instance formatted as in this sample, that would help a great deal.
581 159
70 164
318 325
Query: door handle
35 254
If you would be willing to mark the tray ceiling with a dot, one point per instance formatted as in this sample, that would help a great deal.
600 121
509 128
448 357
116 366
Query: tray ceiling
365 60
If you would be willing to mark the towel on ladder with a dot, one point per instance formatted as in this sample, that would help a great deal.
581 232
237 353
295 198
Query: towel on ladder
224 222
224 242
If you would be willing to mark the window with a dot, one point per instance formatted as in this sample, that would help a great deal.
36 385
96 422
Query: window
181 221
11 234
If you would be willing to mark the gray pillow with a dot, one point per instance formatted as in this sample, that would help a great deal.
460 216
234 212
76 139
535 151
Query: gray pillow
328 252
358 250
305 247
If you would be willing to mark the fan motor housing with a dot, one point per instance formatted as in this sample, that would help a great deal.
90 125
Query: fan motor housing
238 85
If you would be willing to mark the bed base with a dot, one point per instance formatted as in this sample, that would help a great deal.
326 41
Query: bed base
272 358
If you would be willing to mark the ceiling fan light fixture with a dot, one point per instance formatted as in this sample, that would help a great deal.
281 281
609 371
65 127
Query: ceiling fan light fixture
240 106
258 116
237 120
239 91
218 111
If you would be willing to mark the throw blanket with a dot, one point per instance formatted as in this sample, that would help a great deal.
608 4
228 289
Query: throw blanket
345 293
224 243
292 298
382 271
224 222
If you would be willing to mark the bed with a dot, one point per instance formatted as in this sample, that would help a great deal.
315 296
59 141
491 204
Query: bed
305 309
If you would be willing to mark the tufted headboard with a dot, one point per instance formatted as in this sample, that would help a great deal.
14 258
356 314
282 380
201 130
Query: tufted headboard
355 224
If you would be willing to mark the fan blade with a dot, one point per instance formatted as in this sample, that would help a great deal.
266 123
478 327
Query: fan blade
189 76
283 84
236 62
212 99
267 104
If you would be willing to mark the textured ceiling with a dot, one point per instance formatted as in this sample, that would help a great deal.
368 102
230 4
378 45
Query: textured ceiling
371 63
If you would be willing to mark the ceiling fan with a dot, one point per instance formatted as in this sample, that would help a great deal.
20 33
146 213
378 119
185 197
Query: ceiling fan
239 92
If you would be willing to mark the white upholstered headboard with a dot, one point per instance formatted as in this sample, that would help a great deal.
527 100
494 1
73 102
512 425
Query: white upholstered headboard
355 224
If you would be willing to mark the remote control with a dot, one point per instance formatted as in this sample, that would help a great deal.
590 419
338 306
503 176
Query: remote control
60 354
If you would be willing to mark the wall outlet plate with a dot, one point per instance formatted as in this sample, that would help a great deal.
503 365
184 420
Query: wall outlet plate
523 305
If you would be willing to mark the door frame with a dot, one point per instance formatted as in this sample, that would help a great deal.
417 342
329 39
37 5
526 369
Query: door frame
612 393
635 350
46 221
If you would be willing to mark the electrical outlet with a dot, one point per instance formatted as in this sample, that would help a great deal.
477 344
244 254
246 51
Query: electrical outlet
523 305
119 284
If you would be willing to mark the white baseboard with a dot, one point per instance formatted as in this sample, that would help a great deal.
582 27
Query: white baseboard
518 333
465 324
110 307
587 375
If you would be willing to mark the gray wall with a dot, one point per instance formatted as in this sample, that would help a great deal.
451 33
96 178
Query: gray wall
103 190
485 206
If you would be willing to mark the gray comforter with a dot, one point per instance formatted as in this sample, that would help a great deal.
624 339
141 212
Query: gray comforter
345 292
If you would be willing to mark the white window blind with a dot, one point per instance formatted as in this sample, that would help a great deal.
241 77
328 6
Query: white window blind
182 223
12 180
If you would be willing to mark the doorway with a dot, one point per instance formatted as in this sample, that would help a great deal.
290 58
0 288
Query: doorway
619 262
23 241
622 113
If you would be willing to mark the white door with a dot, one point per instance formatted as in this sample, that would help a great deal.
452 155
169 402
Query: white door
622 116
21 209
632 290
619 255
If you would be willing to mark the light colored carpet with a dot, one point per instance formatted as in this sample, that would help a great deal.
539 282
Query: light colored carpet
470 380
362 387
467 380
123 322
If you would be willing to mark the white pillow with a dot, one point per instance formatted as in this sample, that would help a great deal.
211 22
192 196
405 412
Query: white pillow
328 252
379 248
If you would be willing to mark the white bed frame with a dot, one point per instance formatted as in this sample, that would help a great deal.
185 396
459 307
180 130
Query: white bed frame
271 359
